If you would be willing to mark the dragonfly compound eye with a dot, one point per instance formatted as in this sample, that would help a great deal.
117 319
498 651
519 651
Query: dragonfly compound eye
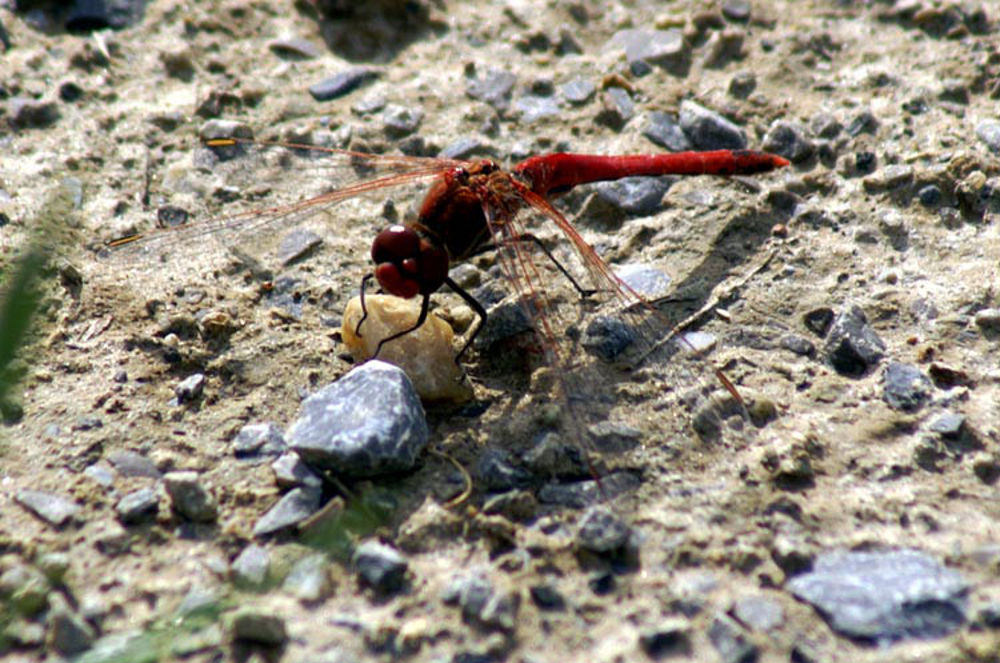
395 244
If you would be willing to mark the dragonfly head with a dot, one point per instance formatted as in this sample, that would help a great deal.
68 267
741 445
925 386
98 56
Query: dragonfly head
407 264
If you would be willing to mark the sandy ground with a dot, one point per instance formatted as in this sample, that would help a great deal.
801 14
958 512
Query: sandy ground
716 522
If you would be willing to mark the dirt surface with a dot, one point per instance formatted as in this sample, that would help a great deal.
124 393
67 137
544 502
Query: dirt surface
851 223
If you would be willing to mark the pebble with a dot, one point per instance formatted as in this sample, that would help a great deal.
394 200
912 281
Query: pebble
668 640
463 148
988 320
258 625
707 130
294 507
297 245
737 10
481 603
819 320
132 464
949 425
930 195
68 633
51 508
190 388
884 596
341 83
731 641
367 423
663 129
295 47
251 567
581 494
863 122
426 354
216 129
25 589
577 91
800 345
617 108
989 132
532 108
638 196
649 282
547 597
495 473
602 531
789 139
309 579
260 439
504 321
380 567
608 338
825 125
553 457
26 113
742 84
852 346
493 88
137 507
664 48
614 437
905 387
759 613
290 471
189 497
400 120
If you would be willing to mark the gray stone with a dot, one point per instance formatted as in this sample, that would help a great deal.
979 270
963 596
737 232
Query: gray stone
25 113
578 91
989 132
290 471
294 507
852 346
53 509
789 140
259 626
494 472
132 464
309 579
988 319
886 595
380 567
401 120
905 387
552 457
580 494
296 47
190 498
646 281
216 129
663 129
68 633
638 196
493 88
138 506
531 108
260 439
730 641
370 422
608 338
759 612
341 83
190 388
481 603
297 245
707 130
602 531
251 567
666 48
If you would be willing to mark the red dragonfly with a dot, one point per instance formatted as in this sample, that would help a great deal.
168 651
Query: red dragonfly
470 206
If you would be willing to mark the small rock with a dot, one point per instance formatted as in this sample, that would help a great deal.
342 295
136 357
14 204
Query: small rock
217 129
886 595
638 196
664 48
68 633
580 494
398 121
602 531
341 83
648 282
989 132
742 84
852 346
819 320
759 613
309 579
614 437
730 641
905 387
382 568
297 245
663 129
950 425
494 88
608 338
668 640
481 603
863 122
988 319
930 195
578 91
290 471
53 509
190 498
367 423
25 589
294 507
798 344
825 125
251 567
296 47
463 148
426 354
261 439
495 472
707 130
617 108
547 597
137 507
32 113
190 388
736 10
532 108
259 626
789 139
132 464
554 457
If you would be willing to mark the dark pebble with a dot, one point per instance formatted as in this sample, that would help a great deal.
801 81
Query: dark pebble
819 320
617 108
505 320
369 422
68 632
742 84
852 346
70 92
638 196
730 641
398 121
190 388
789 139
905 387
667 641
607 338
493 88
800 345
382 568
602 531
930 195
863 122
297 245
481 603
884 596
663 129
341 83
581 494
554 457
31 113
707 130
290 471
547 597
294 507
825 125
612 437
260 439
259 626
190 498
137 507
495 472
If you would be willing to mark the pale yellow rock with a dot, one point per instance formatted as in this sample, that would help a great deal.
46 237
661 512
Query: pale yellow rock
426 354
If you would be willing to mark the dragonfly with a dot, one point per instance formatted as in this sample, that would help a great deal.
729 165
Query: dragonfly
470 206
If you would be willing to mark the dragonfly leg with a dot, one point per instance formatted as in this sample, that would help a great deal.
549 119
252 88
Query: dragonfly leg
528 237
424 307
476 306
364 310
